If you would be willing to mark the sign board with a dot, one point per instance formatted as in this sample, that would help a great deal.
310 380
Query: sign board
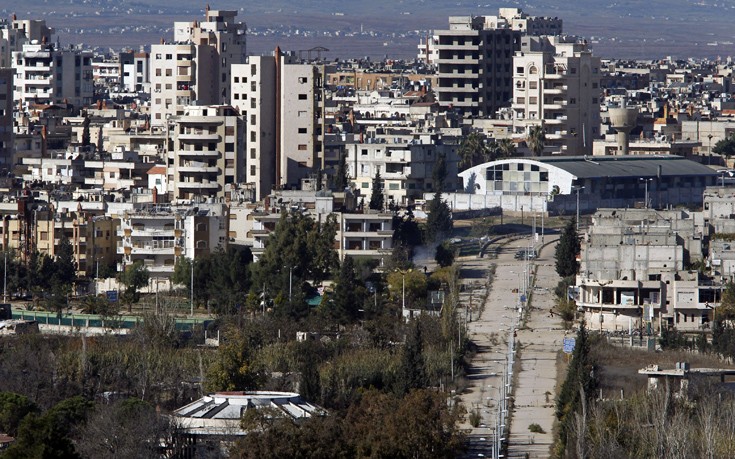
569 344
112 295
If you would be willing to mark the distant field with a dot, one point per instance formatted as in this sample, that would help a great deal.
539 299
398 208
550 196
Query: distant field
681 28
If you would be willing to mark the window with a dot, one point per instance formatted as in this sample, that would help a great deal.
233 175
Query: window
303 80
533 85
158 73
302 130
521 100
302 147
169 72
237 79
252 119
520 70
169 57
302 96
252 153
572 101
252 103
44 235
252 170
253 137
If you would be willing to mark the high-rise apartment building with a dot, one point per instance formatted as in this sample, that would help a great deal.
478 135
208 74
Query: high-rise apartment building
196 67
281 103
556 85
45 74
6 118
207 155
254 95
16 33
474 58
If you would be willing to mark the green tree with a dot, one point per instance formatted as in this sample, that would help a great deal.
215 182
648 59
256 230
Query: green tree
65 269
439 222
341 178
536 140
580 381
348 294
49 435
725 147
472 150
134 278
506 148
444 255
13 408
567 250
233 367
412 372
439 173
376 197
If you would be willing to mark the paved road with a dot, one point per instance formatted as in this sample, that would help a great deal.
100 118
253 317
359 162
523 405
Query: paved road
538 344
490 333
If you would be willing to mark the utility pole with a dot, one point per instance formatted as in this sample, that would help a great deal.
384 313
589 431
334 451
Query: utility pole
192 287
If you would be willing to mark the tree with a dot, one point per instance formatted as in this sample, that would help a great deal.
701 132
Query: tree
725 147
233 367
439 173
536 139
341 178
85 131
48 435
406 230
13 408
444 255
439 221
65 268
377 198
130 428
412 372
472 150
567 250
506 148
134 278
348 294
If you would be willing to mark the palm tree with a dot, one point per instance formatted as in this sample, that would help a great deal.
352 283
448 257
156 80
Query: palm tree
506 148
472 151
535 140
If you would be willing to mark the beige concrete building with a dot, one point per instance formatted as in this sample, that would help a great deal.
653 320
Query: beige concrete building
207 156
6 119
556 85
254 95
196 66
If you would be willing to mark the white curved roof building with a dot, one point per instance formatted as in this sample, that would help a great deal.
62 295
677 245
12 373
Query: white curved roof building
550 183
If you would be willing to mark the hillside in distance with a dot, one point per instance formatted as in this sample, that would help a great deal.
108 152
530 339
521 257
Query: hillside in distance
379 28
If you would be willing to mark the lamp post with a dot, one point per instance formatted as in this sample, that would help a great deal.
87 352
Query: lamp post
5 277
577 188
191 301
645 181
709 149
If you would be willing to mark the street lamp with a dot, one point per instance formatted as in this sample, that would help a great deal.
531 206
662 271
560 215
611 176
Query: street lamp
403 289
192 288
577 188
645 181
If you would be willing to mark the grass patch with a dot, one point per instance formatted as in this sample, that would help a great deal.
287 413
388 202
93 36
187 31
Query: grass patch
535 428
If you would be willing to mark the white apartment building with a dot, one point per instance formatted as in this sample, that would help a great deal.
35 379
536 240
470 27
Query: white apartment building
556 85
196 67
16 33
159 234
282 104
208 152
46 75
254 95
406 169
136 75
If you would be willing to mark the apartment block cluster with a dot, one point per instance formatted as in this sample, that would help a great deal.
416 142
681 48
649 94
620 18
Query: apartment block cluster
191 144
643 269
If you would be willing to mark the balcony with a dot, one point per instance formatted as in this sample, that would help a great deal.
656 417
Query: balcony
557 90
201 168
198 185
199 135
199 153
